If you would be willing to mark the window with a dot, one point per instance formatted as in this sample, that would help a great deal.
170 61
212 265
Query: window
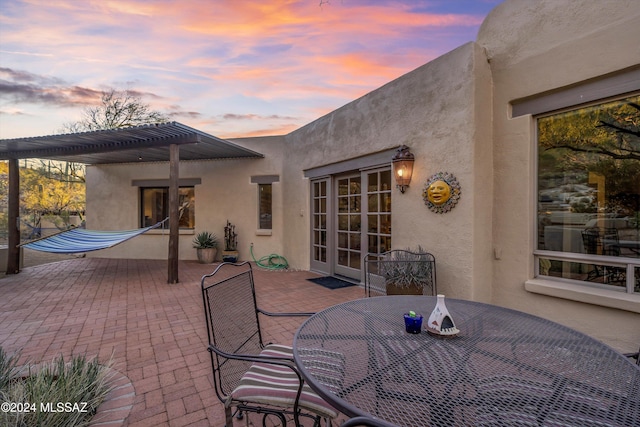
155 206
264 210
589 194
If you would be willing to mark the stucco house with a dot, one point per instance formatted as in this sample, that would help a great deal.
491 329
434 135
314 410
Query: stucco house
497 116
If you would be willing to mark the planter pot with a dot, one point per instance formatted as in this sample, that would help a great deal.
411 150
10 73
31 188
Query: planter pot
206 255
230 256
412 289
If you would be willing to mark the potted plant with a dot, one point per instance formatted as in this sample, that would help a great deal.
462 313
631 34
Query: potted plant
206 244
230 252
408 272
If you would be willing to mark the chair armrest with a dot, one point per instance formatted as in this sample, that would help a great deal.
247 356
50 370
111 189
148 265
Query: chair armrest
365 421
277 360
272 314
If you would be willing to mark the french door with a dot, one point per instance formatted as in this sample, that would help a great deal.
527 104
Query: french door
351 216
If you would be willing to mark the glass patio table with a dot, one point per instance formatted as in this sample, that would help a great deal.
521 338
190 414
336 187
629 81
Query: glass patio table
503 368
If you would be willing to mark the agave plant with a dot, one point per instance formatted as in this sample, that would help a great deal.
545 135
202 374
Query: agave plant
205 240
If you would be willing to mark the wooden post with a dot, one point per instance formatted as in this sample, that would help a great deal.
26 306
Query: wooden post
13 252
174 220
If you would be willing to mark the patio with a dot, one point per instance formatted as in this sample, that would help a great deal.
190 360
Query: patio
154 331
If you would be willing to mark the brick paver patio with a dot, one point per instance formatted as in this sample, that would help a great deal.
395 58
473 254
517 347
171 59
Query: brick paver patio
155 332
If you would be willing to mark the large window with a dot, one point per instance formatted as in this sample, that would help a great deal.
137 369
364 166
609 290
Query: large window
589 194
155 206
265 215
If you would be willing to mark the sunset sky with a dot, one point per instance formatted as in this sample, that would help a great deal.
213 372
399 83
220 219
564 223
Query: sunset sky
227 67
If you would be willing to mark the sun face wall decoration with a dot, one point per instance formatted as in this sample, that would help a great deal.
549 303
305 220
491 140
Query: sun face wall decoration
441 192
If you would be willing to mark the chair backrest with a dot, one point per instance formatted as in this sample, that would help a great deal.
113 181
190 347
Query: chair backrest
232 322
400 265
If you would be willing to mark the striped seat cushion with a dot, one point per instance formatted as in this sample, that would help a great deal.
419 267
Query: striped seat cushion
276 385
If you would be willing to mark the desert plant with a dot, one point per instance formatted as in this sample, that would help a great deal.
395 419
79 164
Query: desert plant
60 394
205 240
405 268
9 370
230 237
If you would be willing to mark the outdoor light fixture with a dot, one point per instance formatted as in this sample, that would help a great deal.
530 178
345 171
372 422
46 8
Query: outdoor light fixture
403 167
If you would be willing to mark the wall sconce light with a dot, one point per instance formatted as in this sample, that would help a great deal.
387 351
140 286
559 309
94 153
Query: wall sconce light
403 167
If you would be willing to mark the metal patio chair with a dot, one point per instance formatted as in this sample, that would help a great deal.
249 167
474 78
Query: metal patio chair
247 374
399 262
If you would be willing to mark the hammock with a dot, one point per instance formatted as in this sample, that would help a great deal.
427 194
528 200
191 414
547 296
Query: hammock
79 240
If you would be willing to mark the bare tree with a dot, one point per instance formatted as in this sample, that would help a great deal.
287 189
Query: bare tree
118 109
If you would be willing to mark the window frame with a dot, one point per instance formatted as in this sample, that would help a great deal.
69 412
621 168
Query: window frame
579 290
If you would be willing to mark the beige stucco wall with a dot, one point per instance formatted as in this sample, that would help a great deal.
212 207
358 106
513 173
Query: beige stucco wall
225 192
440 111
534 47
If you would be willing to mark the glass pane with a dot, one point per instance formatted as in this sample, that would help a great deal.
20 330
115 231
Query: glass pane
323 206
373 181
316 221
343 240
323 221
590 272
588 174
355 241
343 187
343 258
354 223
323 238
155 206
354 260
372 223
354 203
323 188
385 202
343 222
343 204
187 207
385 244
265 206
385 224
354 188
385 180
323 254
372 241
373 203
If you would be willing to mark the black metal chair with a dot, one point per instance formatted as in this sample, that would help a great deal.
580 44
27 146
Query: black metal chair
596 242
382 269
247 374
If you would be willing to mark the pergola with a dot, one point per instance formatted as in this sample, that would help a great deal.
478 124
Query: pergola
165 142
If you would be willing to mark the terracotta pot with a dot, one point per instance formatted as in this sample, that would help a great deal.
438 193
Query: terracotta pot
206 255
412 289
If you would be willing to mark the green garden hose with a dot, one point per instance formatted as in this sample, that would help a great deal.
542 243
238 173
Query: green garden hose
271 262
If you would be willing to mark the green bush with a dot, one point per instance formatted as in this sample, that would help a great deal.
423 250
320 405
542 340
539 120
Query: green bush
57 394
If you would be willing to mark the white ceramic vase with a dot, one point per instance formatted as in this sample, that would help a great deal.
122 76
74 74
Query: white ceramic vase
440 321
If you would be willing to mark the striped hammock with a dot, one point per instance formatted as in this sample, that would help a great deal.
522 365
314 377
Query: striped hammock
79 240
